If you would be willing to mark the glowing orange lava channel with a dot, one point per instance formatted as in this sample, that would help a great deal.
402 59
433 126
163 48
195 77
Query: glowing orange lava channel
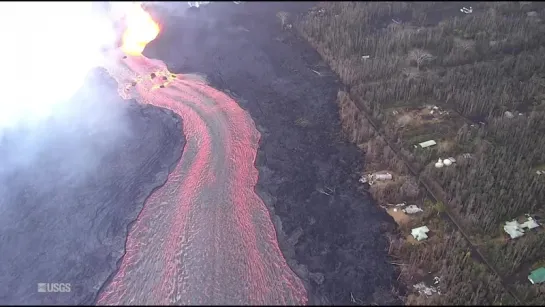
204 237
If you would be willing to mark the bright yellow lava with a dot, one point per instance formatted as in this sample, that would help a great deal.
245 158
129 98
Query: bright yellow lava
140 30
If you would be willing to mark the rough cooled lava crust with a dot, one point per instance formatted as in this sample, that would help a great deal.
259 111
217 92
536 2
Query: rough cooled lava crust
70 187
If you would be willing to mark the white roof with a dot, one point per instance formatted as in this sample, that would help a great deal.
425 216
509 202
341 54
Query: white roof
427 143
513 229
530 224
420 233
412 209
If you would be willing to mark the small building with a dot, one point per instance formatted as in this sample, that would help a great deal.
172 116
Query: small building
537 276
383 176
514 229
372 178
530 223
412 209
427 144
420 233
466 10
197 3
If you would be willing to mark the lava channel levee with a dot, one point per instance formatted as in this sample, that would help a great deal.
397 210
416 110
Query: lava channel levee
205 237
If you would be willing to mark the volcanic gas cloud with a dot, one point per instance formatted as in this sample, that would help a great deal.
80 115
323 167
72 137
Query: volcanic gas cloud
48 48
205 237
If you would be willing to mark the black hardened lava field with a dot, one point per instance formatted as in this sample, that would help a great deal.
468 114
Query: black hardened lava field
71 186
331 234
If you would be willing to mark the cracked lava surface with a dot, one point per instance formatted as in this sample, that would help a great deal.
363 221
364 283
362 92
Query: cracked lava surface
205 237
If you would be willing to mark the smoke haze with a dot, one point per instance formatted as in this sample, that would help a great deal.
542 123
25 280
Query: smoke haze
48 51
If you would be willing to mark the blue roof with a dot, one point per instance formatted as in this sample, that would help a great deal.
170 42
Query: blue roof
537 276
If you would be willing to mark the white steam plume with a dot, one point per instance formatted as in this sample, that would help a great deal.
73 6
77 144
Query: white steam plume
46 49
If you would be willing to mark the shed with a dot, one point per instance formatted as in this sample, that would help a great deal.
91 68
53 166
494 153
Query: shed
427 143
420 233
383 176
412 209
537 276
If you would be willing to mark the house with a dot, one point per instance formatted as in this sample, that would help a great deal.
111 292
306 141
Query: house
412 209
515 229
537 276
382 176
420 233
427 143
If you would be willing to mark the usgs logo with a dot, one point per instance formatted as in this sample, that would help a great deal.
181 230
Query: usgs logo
53 287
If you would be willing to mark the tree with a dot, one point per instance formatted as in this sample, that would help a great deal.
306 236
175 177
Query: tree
420 56
283 16
412 73
464 44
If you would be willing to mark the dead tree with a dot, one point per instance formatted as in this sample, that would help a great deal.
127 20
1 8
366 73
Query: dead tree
283 16
464 44
420 57
411 73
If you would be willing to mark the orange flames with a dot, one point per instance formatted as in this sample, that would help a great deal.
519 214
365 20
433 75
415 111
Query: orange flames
140 30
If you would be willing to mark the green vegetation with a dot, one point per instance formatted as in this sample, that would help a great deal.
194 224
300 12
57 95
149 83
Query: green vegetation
487 69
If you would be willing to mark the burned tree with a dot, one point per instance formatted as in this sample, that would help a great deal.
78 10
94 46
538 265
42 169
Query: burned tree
283 16
464 44
411 73
420 57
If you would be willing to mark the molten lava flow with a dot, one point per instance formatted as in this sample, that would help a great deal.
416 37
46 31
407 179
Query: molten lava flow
140 30
205 237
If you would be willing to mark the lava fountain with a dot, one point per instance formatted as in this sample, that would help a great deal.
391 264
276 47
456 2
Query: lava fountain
205 237
140 29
